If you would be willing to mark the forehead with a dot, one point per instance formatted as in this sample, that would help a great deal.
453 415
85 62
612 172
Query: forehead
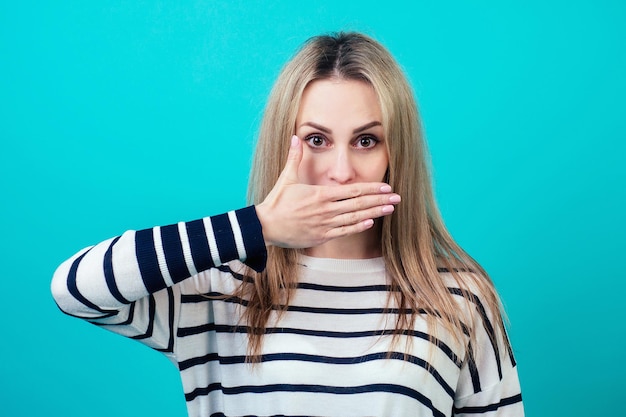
336 99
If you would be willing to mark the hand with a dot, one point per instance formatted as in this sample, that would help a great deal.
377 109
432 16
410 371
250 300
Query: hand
295 215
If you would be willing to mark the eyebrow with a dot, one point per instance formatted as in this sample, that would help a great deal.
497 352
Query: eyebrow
327 130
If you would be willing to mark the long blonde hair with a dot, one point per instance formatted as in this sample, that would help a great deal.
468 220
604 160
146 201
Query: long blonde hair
415 242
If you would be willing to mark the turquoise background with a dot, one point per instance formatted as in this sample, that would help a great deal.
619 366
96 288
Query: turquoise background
119 115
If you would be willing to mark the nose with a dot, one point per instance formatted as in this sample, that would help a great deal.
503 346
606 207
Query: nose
342 169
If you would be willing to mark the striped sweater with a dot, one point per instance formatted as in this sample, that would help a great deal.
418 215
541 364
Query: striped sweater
329 354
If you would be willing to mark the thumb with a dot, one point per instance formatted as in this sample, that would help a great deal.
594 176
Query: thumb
290 171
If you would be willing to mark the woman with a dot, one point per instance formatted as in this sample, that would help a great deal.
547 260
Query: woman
326 296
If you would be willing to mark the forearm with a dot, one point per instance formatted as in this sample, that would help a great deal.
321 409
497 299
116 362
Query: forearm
99 280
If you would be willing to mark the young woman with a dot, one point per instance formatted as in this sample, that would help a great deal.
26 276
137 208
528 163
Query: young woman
327 296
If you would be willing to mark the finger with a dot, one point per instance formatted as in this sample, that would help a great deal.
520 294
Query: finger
349 229
365 202
342 192
294 157
355 217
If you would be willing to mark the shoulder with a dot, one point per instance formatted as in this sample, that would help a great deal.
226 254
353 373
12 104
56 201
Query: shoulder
471 289
479 307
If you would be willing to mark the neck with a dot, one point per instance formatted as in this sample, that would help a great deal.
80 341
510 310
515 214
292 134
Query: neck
364 245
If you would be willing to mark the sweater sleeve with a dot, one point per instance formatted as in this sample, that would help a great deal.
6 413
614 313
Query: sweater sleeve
489 384
127 283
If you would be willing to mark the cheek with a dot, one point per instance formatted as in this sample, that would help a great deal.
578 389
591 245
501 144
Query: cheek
374 168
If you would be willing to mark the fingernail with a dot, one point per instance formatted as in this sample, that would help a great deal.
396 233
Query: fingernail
294 141
394 198
385 188
388 209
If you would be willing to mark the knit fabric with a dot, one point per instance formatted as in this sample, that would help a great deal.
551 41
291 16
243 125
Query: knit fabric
328 354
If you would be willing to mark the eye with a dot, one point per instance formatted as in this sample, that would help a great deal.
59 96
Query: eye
366 142
316 141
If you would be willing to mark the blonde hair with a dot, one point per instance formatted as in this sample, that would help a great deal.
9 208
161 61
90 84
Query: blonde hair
415 242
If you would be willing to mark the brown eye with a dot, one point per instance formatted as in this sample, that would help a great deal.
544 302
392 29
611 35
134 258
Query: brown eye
316 141
366 142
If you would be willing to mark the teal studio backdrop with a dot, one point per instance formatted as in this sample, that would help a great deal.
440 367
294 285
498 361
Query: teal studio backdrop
119 115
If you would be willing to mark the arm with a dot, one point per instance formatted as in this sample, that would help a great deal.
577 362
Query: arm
489 383
128 280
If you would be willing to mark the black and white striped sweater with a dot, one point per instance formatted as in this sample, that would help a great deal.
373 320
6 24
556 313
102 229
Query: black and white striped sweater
328 355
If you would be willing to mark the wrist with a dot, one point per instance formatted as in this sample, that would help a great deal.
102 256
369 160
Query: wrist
262 214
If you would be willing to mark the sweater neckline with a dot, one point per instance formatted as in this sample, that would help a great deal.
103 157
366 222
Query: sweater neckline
342 265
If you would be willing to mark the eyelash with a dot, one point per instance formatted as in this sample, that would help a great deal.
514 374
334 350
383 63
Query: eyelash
371 138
